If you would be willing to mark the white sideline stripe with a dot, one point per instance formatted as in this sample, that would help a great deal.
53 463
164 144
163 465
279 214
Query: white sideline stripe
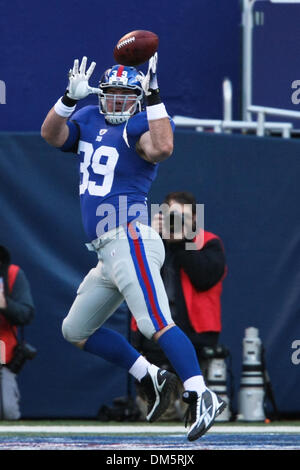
145 429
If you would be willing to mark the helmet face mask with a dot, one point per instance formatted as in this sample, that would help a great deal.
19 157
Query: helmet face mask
121 93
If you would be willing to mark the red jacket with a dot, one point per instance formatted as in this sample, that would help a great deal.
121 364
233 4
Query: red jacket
8 332
203 308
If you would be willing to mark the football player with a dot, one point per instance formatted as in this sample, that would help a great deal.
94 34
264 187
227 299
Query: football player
119 145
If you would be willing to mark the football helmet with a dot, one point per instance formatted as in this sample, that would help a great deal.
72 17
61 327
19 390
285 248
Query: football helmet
119 107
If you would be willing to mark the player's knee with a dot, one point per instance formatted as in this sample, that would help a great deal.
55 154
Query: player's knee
65 329
72 335
69 333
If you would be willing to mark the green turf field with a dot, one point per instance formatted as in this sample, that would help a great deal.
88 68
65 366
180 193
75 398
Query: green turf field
119 436
92 427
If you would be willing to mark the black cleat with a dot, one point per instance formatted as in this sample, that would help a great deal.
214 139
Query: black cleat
158 385
203 411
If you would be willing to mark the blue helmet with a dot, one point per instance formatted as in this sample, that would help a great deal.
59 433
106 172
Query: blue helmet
119 107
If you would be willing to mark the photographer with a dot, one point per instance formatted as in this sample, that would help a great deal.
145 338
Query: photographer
16 310
192 278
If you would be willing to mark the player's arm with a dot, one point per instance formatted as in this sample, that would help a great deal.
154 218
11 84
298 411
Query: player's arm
156 144
54 128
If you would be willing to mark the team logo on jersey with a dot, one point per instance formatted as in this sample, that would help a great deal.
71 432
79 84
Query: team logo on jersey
101 133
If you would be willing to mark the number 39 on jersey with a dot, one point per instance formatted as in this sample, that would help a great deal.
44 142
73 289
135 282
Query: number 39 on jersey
100 166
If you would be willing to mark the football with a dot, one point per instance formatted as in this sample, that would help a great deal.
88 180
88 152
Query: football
136 48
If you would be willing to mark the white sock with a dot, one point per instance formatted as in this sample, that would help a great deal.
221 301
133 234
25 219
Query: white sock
140 368
196 384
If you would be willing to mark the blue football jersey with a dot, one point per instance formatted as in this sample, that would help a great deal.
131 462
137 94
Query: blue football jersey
114 179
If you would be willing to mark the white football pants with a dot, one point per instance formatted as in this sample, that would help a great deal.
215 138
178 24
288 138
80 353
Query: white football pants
129 266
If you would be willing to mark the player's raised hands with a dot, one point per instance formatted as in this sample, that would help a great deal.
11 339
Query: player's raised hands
150 81
78 87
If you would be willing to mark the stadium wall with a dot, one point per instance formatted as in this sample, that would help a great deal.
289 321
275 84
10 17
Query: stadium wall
199 46
250 188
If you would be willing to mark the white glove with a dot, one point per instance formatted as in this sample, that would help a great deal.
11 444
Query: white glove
78 86
149 82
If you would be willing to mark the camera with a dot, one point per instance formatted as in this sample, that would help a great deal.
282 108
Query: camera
217 375
22 352
252 388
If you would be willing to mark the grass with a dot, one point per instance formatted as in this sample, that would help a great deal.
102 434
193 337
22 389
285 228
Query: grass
103 425
69 422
